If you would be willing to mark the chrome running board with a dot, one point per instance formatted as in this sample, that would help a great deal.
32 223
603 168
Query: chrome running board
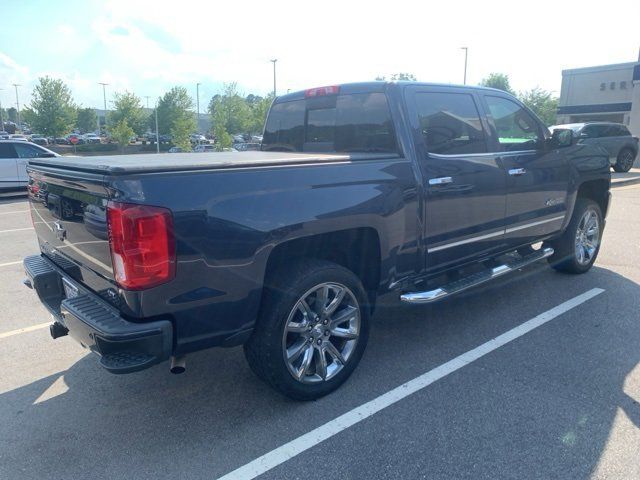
474 279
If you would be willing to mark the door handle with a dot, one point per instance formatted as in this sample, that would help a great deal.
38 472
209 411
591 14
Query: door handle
440 180
514 172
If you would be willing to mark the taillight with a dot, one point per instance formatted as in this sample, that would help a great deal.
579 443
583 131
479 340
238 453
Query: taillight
142 245
322 91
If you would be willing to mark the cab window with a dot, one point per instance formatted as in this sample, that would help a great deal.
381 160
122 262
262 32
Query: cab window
516 128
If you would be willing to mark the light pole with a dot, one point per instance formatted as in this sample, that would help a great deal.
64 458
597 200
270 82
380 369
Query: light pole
16 85
466 52
157 134
197 108
104 98
1 120
274 76
147 97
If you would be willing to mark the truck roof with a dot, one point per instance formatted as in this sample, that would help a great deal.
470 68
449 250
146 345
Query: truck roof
163 162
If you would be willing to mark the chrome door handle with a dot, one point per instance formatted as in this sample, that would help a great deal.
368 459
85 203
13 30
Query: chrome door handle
514 172
440 180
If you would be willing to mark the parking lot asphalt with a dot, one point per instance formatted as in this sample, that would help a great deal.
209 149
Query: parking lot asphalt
559 401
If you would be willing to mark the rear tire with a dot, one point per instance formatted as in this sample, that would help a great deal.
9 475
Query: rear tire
577 249
299 346
625 160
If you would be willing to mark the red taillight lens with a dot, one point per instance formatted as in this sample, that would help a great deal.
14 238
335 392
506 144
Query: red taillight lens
142 245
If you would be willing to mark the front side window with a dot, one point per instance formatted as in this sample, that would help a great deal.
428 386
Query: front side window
352 123
450 123
24 150
7 150
516 128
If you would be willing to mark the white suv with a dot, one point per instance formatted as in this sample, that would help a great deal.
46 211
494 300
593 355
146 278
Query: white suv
14 155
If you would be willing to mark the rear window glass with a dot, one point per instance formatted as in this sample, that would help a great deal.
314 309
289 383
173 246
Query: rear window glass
344 124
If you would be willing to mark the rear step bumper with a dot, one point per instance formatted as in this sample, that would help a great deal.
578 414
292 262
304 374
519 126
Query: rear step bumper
430 296
123 346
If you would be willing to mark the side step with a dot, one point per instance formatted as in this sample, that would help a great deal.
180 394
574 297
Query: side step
475 279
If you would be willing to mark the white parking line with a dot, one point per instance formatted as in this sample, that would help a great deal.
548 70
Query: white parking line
15 211
289 450
10 263
16 230
24 330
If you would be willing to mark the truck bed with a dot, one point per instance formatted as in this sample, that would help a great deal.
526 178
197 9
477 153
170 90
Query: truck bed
165 162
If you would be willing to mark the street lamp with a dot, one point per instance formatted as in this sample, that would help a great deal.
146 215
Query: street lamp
1 120
197 108
104 98
274 76
157 134
466 52
16 85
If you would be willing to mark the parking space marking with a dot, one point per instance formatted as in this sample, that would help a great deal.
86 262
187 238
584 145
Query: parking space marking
16 230
14 211
24 330
10 263
289 450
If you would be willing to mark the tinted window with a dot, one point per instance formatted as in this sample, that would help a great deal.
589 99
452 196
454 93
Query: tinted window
618 131
343 123
25 150
7 151
450 123
516 128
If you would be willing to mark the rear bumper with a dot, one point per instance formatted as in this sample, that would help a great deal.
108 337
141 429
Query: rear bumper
123 346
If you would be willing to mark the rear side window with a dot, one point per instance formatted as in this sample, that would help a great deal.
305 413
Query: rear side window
618 131
344 123
7 151
25 150
450 123
516 128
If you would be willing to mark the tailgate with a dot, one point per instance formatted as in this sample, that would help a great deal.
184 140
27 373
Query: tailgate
69 216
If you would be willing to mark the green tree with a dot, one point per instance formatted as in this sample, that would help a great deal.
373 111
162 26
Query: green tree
121 132
127 106
231 109
398 77
259 109
182 127
87 120
542 102
497 80
174 106
51 111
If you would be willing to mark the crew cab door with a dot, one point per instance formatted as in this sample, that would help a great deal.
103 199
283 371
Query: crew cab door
464 185
8 167
537 175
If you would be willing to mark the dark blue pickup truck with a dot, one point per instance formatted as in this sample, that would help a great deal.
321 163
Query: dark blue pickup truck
361 189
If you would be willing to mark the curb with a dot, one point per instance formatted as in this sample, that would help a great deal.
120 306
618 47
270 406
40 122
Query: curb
624 182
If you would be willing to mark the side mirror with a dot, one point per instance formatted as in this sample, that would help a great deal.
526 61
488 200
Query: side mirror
46 155
562 137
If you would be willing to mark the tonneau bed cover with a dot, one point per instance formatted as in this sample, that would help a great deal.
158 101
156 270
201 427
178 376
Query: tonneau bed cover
122 164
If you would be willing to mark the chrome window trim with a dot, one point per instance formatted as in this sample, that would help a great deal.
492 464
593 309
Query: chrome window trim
534 224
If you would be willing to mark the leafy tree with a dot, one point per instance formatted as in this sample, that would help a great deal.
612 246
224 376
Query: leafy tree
128 106
12 115
180 130
231 109
223 139
51 111
398 77
121 132
259 110
87 120
497 80
542 102
174 106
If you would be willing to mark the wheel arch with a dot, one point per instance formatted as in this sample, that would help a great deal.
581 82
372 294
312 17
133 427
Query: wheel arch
596 190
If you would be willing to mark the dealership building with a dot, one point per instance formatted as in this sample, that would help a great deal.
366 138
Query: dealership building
608 93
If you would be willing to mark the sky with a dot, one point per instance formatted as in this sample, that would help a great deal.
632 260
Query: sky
147 47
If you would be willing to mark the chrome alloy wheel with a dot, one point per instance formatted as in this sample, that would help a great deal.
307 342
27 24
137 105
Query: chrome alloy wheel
321 333
626 160
587 237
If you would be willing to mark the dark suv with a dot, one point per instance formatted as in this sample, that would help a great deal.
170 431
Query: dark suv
613 137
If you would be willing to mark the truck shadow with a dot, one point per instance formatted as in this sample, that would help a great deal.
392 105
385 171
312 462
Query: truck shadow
218 416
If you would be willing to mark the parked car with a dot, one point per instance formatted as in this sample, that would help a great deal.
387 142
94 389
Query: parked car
204 148
92 138
39 140
17 136
4 135
61 141
79 139
615 138
175 150
426 191
244 147
196 138
13 162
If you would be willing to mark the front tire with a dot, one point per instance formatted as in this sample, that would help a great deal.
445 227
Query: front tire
577 249
312 329
625 160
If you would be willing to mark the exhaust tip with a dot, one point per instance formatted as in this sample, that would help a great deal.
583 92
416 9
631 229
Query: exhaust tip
58 330
178 364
